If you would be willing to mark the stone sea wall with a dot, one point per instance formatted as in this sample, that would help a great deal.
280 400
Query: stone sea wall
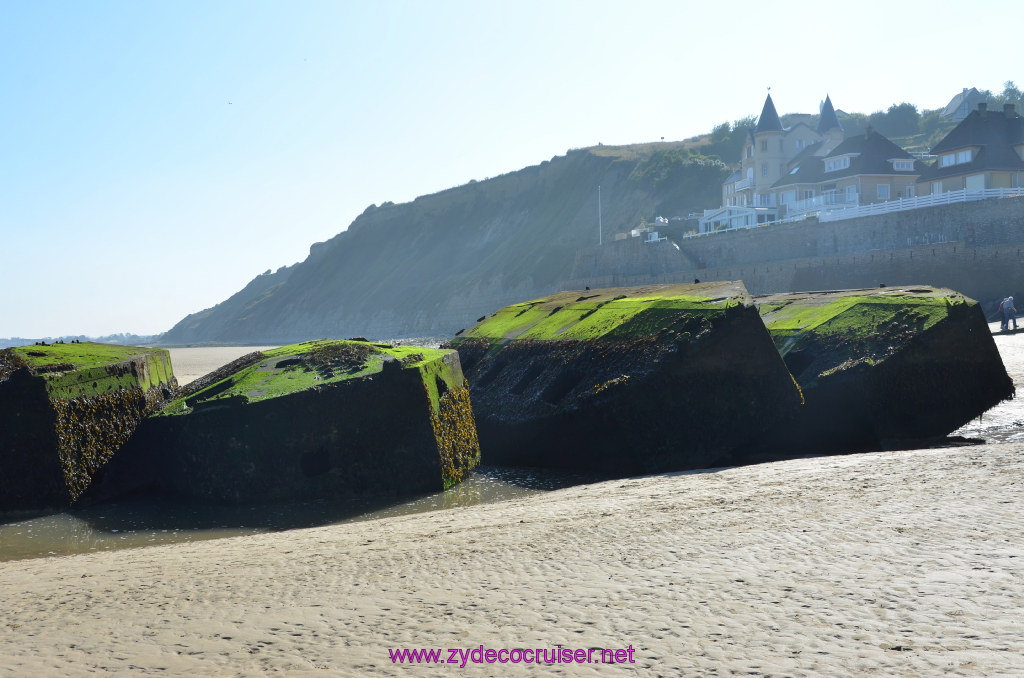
974 248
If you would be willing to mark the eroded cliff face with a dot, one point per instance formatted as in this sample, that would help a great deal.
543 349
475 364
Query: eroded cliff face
430 267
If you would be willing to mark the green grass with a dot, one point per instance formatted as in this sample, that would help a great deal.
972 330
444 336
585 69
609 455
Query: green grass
87 368
268 379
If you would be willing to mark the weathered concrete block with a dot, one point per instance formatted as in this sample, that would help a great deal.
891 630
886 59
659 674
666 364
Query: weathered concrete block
66 410
625 381
882 367
320 419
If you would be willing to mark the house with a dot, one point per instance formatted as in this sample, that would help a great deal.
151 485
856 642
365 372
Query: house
986 150
769 154
863 169
962 104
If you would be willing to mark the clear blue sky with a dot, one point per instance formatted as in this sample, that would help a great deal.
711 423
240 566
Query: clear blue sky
156 156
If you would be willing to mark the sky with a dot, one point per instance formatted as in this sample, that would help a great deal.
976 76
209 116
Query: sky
157 156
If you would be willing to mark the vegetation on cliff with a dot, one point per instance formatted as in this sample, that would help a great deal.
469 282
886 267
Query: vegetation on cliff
430 266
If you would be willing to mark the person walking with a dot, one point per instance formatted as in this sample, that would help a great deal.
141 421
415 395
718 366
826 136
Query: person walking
1002 316
1009 313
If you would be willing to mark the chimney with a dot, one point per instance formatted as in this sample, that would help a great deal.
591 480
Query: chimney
982 107
1009 110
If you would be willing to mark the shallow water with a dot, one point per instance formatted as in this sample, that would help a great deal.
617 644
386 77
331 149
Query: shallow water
158 520
1004 422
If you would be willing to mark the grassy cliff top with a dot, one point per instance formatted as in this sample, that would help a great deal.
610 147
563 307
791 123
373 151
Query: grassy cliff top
88 369
297 367
612 313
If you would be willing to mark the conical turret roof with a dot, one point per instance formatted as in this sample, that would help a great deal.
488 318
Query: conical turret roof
769 120
828 119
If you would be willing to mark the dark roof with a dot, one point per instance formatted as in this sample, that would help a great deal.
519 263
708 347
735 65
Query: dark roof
828 119
872 154
804 153
769 120
993 133
963 102
811 171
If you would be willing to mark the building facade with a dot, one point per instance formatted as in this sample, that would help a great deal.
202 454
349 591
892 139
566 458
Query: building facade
986 150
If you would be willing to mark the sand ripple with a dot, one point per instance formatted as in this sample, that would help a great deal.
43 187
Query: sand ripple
901 563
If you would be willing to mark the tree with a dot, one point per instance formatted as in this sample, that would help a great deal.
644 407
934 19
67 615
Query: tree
902 120
1011 94
727 140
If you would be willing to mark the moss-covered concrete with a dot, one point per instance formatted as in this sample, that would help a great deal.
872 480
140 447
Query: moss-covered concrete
318 419
625 380
66 410
290 369
882 367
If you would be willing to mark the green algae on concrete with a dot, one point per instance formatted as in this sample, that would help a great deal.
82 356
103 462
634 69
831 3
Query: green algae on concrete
66 410
324 418
625 380
610 314
297 367
881 366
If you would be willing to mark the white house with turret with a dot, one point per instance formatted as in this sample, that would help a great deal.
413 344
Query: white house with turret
770 153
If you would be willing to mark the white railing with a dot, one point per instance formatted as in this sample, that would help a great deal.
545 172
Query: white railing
903 204
744 183
827 201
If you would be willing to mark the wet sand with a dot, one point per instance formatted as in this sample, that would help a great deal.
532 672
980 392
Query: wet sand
191 363
897 563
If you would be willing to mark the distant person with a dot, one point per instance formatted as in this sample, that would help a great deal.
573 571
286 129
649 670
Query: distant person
1009 313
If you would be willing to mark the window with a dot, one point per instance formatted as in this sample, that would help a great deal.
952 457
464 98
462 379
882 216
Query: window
910 191
903 165
851 194
764 145
936 187
764 170
799 144
883 191
958 158
808 194
836 164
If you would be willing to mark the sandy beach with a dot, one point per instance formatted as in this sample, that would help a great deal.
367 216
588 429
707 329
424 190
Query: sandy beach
193 362
892 564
